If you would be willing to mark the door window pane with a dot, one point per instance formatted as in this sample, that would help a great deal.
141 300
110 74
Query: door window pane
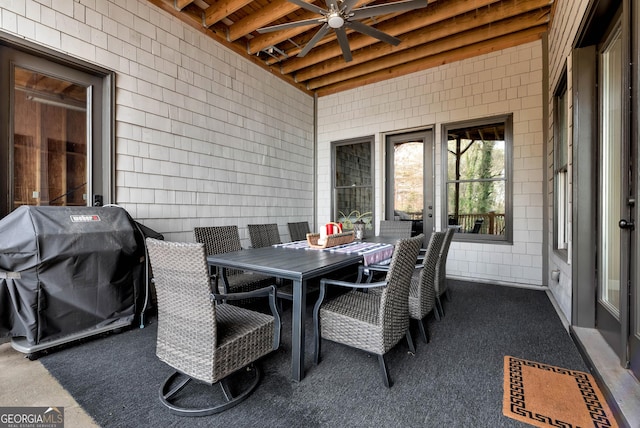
49 141
408 169
610 173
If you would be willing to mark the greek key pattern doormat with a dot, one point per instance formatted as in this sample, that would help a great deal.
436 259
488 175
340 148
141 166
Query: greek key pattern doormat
548 396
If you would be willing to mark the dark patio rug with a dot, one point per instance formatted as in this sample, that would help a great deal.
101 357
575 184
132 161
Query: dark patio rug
456 380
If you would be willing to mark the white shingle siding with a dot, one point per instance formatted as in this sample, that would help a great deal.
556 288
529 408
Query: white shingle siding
562 33
203 137
507 81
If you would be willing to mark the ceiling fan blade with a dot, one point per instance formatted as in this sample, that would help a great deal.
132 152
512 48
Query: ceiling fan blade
312 21
347 5
381 9
373 32
315 39
330 3
344 44
309 6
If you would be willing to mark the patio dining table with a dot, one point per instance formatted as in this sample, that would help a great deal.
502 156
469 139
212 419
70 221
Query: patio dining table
297 262
299 266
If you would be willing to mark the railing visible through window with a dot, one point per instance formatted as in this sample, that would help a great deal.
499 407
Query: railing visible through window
477 180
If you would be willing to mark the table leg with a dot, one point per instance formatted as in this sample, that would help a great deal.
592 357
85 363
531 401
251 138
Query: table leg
298 318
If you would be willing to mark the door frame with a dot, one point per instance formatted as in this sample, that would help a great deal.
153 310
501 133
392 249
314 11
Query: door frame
586 108
101 162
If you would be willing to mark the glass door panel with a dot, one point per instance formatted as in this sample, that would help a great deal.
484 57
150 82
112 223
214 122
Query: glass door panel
408 178
409 172
613 248
49 140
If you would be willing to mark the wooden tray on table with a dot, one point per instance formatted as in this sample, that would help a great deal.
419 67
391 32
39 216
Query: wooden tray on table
331 241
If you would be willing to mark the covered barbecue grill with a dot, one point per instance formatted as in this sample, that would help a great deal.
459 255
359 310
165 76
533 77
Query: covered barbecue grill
68 273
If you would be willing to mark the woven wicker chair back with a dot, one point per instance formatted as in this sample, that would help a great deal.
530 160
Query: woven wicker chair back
394 300
298 230
186 316
425 292
396 229
219 240
441 267
264 235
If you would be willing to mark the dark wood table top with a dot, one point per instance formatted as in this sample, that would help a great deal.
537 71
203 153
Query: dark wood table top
284 262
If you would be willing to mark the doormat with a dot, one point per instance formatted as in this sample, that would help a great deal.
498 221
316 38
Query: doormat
548 396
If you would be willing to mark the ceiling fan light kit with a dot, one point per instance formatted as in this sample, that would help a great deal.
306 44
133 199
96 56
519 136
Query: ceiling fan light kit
335 21
340 14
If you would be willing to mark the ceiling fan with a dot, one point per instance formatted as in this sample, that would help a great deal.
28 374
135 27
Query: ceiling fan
340 14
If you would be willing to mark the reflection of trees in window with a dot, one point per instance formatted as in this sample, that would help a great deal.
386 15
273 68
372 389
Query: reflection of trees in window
476 178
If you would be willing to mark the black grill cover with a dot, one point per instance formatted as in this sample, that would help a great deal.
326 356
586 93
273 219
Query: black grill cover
64 270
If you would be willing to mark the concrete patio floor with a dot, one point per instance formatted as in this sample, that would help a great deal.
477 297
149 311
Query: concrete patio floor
27 383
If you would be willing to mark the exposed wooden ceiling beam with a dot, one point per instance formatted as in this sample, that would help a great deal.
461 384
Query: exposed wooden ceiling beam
222 9
181 4
429 36
262 41
274 10
386 61
443 11
487 46
426 35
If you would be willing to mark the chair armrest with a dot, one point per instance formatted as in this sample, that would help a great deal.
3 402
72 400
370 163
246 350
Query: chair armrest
377 268
368 271
261 292
268 291
349 284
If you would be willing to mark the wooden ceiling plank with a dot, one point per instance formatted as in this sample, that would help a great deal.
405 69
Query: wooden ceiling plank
451 43
470 51
221 9
273 11
506 17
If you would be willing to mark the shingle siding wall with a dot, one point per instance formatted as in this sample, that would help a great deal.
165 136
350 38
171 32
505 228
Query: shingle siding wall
562 33
203 137
507 81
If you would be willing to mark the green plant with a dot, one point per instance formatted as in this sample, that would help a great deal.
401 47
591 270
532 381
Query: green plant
355 215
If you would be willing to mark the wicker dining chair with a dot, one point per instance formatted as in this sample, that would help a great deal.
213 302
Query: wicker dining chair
422 292
441 272
201 337
395 229
372 322
298 230
264 235
225 239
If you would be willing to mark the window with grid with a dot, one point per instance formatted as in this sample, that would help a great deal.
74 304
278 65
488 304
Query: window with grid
560 167
478 179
